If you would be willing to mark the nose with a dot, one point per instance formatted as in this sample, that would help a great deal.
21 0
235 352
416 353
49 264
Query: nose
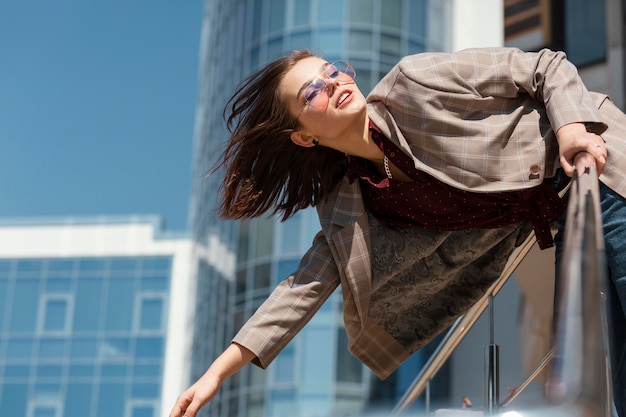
331 85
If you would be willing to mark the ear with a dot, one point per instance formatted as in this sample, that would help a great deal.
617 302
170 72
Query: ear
302 139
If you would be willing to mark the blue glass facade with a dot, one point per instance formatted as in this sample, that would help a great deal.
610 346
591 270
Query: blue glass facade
83 336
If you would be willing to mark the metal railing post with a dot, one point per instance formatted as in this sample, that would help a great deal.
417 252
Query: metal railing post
492 371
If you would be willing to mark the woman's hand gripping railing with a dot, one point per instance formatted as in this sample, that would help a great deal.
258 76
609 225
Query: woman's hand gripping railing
580 373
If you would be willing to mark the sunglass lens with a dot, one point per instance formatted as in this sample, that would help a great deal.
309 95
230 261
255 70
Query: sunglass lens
314 92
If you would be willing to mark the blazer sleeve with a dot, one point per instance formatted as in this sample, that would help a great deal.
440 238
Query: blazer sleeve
546 76
291 304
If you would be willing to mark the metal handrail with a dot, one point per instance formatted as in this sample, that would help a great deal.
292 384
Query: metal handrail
583 235
580 372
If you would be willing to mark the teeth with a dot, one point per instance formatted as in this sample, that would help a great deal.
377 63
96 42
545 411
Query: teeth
343 97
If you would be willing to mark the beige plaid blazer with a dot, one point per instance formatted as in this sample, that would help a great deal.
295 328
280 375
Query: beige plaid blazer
481 120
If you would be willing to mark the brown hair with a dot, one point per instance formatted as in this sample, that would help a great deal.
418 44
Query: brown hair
264 169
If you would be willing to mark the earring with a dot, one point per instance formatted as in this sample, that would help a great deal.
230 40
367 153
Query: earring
315 142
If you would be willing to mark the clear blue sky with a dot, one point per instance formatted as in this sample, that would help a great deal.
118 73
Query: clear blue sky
97 106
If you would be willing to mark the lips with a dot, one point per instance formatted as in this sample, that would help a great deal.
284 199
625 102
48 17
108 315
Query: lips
344 97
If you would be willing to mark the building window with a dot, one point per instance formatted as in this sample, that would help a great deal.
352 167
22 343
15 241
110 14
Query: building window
142 411
55 313
585 31
151 312
44 409
349 369
362 11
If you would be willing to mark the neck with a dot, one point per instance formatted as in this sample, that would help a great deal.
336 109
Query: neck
363 146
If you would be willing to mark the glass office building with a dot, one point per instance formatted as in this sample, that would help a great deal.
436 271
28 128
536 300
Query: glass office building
315 375
86 320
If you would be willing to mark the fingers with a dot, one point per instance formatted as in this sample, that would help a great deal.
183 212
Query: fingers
189 403
584 160
586 146
183 406
192 410
599 153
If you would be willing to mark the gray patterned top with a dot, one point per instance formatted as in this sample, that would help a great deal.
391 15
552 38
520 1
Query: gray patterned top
422 280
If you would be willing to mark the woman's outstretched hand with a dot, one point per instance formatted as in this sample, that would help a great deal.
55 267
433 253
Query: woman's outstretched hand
191 401
195 397
579 148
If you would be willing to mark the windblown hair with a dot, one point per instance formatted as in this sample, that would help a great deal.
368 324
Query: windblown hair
264 169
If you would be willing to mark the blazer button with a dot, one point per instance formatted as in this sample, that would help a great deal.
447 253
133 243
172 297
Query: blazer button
535 172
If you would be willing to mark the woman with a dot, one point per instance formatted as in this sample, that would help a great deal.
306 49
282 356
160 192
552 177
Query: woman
423 190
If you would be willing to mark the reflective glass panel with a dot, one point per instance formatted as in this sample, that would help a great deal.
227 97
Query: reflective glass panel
44 411
81 371
123 264
585 31
265 236
119 311
55 314
25 302
275 48
29 267
349 368
151 314
117 348
331 41
417 17
91 265
362 11
146 390
47 390
149 347
299 40
318 346
285 365
391 14
51 348
361 41
78 400
111 400
147 371
113 371
87 305
16 371
277 15
3 301
157 263
390 45
330 11
18 394
49 371
155 282
5 267
143 411
301 12
290 234
60 265
19 348
84 348
58 285
262 276
283 403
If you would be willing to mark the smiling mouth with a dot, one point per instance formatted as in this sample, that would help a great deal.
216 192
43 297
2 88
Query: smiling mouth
343 97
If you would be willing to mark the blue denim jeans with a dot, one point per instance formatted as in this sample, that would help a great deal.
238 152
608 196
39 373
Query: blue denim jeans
613 208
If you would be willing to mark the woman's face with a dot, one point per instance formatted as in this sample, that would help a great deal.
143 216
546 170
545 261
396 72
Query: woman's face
328 104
